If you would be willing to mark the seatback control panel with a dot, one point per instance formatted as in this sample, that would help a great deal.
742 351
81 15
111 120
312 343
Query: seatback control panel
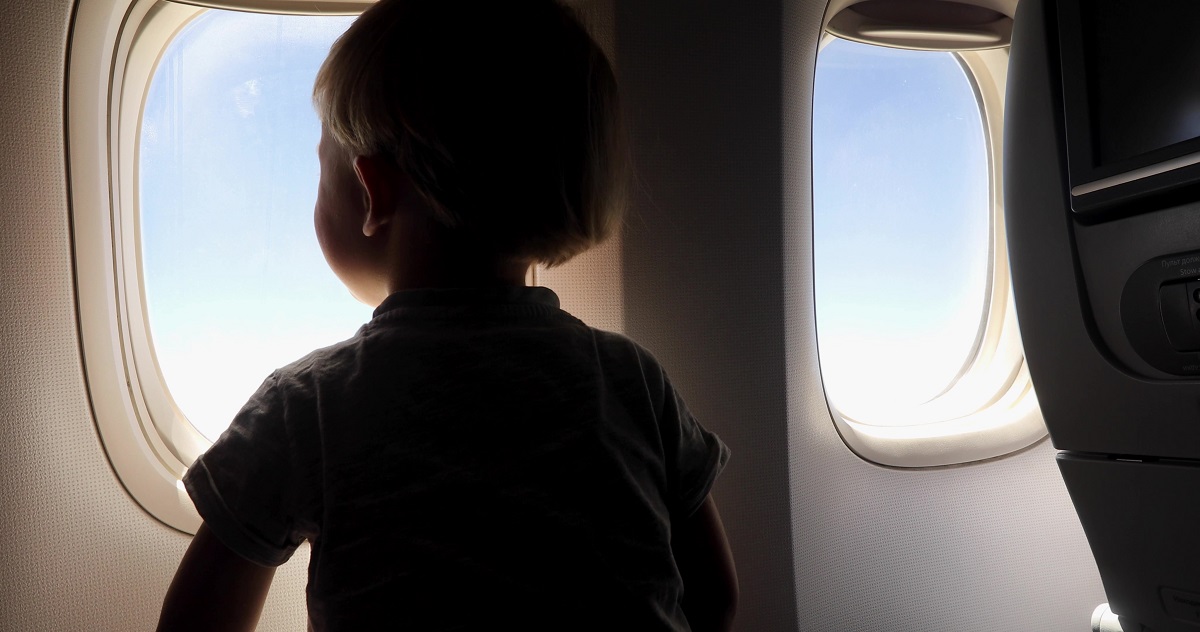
1160 310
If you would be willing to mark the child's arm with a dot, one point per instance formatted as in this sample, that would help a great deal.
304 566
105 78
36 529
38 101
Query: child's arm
214 589
710 585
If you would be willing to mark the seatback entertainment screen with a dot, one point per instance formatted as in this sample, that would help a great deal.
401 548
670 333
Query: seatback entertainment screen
1131 82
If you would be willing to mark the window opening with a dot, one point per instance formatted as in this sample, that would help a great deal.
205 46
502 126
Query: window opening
235 284
902 227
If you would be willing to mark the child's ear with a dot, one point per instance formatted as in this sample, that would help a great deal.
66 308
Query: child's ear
378 179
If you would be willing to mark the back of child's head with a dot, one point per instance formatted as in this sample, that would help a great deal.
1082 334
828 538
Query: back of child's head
504 114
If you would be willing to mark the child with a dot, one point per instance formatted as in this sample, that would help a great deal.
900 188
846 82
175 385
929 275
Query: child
474 458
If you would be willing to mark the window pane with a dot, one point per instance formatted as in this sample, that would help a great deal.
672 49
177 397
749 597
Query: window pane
235 282
901 206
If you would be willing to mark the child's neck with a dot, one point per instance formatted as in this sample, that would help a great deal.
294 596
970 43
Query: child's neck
425 256
454 274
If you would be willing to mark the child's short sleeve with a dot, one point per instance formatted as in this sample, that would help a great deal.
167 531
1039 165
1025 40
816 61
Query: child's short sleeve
249 486
694 456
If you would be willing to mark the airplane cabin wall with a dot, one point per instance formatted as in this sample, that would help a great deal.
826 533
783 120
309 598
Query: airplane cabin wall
717 282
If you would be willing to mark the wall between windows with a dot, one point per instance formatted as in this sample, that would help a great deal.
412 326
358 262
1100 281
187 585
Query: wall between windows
703 274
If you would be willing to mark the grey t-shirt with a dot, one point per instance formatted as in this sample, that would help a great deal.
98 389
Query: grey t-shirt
469 458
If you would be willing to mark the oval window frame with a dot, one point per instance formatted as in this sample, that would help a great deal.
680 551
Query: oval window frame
990 409
114 49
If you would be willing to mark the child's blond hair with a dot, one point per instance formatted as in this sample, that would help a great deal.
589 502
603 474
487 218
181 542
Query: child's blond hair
504 113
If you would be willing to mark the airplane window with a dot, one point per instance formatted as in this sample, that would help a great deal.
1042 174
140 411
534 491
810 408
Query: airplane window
235 283
917 336
901 225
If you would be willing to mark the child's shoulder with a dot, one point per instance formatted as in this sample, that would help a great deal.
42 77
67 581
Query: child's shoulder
630 354
623 343
323 360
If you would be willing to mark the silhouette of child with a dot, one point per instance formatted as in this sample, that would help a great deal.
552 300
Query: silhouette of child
474 458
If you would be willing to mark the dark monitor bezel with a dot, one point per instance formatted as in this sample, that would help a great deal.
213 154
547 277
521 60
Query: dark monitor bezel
1083 166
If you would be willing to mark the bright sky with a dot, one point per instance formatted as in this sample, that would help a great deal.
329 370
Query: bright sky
235 281
901 228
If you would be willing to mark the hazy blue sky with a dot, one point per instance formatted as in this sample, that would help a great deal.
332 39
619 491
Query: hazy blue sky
900 221
236 284
235 280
